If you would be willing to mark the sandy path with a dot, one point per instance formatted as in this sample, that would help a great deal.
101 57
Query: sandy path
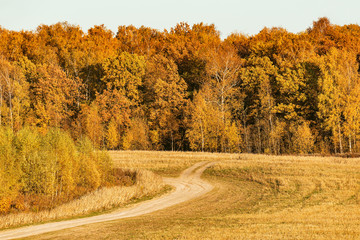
188 186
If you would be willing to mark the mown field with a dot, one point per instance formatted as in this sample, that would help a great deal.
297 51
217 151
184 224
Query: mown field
255 197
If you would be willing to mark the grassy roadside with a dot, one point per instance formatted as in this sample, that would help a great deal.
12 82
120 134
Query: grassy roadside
255 197
148 185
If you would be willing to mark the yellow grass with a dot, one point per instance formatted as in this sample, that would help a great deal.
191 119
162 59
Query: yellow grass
164 163
304 198
255 197
147 184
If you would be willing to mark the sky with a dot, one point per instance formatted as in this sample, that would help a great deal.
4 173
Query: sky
247 17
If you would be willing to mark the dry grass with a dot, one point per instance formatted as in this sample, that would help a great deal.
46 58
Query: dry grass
147 184
255 197
164 163
303 198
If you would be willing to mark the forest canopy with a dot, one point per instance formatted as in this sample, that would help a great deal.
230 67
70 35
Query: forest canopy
186 89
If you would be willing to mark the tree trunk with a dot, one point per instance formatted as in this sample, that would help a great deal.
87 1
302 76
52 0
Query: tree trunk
340 139
350 146
273 141
10 105
356 149
259 137
246 137
222 107
172 141
202 136
1 103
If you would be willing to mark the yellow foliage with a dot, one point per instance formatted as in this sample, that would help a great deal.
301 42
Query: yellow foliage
303 139
92 124
5 204
209 131
136 136
124 73
113 135
48 169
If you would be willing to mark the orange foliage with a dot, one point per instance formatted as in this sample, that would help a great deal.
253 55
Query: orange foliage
261 86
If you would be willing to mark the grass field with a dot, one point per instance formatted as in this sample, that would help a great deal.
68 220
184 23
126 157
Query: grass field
255 197
169 164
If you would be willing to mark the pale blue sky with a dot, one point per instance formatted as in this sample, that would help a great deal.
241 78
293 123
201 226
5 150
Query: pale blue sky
247 17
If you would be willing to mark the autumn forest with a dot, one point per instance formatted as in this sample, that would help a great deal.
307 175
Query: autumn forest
186 89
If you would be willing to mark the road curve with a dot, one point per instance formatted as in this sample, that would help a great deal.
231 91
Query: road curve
188 186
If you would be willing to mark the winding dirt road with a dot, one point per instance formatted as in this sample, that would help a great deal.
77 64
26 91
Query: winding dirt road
188 186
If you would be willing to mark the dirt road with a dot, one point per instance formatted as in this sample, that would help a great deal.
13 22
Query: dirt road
188 186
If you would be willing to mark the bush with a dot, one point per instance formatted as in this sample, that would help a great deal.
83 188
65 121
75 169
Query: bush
38 171
9 170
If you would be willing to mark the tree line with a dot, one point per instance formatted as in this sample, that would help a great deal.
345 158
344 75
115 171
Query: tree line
185 88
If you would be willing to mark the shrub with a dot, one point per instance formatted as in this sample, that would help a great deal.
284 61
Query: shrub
38 171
